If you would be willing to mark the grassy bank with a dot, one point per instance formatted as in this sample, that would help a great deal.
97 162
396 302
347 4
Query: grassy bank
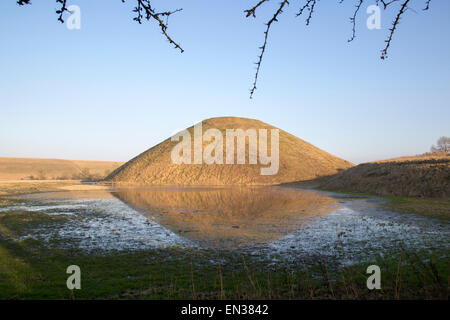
429 207
425 176
30 269
11 188
14 188
435 208
54 169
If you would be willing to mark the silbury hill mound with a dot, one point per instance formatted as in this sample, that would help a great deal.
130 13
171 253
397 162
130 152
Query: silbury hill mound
298 160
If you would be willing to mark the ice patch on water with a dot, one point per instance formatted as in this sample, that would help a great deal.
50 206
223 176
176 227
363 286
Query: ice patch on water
106 224
49 209
358 231
353 236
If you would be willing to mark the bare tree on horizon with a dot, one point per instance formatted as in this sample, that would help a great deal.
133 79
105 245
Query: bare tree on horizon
442 145
144 10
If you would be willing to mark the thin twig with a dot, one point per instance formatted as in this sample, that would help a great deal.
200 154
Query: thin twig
263 47
353 20
403 8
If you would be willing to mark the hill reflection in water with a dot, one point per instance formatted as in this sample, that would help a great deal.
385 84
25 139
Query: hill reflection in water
229 217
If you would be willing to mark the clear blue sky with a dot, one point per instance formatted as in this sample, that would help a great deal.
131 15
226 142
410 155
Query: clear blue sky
115 88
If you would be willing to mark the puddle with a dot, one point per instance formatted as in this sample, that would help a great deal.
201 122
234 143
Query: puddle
228 218
275 222
350 236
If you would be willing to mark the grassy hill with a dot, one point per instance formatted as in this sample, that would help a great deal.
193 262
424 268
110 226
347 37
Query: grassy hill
52 169
298 160
420 176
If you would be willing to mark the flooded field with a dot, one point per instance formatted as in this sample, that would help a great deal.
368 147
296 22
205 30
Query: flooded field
270 222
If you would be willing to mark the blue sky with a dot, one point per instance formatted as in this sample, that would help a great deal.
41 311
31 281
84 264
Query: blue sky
115 88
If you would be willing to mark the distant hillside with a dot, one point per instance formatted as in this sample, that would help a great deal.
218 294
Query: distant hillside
419 176
50 169
298 160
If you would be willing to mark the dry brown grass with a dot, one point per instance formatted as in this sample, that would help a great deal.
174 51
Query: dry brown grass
17 187
422 157
23 168
425 176
299 160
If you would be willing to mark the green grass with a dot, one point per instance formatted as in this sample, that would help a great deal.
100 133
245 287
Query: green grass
27 273
429 207
434 208
31 270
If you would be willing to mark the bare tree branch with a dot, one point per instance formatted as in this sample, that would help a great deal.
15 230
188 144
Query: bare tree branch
61 11
403 8
143 10
427 5
309 6
353 20
252 11
266 35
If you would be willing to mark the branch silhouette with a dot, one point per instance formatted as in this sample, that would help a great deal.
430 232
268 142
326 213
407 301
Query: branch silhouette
308 9
145 11
266 36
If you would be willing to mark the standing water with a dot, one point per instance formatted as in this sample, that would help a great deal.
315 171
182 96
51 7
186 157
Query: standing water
269 221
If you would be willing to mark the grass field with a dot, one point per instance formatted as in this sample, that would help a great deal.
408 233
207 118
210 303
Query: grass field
435 208
53 169
15 187
428 207
30 269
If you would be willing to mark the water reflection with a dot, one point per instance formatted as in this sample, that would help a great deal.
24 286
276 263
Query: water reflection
229 217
